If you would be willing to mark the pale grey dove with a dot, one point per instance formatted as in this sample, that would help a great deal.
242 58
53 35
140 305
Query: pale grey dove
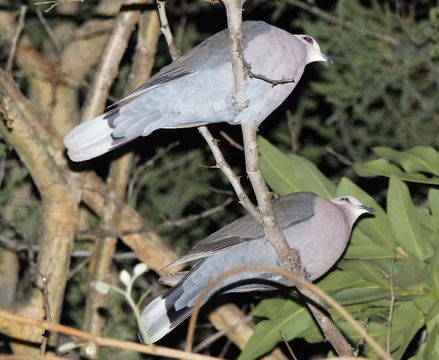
197 89
318 229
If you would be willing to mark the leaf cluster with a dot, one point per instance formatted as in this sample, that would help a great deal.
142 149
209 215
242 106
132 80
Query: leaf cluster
388 278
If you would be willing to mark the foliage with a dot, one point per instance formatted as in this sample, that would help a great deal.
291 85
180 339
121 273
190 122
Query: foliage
391 263
381 90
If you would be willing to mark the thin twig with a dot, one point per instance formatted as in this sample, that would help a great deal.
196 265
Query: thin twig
16 37
211 339
231 141
109 65
46 335
391 308
228 172
102 341
296 279
166 30
252 75
195 217
290 350
49 32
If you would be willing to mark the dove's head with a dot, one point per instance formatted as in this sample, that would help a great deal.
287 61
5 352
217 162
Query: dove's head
313 50
351 207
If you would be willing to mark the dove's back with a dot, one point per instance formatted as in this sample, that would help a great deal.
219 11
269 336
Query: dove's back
197 89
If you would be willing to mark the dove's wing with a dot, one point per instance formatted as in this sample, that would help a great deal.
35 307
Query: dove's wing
289 211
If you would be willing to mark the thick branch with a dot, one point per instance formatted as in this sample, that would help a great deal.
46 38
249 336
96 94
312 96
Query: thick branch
288 258
59 203
109 66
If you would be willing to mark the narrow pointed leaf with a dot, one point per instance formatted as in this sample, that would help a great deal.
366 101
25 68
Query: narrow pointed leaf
382 167
418 159
404 222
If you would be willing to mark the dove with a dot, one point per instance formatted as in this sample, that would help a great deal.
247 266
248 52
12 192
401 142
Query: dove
318 229
198 89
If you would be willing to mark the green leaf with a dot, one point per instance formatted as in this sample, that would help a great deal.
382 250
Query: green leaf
417 159
361 295
368 271
290 321
427 220
433 202
411 274
434 273
375 226
407 319
431 350
291 173
367 250
338 280
382 167
404 222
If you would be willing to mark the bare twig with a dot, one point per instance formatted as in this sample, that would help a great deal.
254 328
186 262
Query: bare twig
332 333
211 339
290 350
102 341
296 279
49 32
105 247
391 308
15 38
54 3
108 67
46 335
231 141
252 75
166 30
228 172
195 217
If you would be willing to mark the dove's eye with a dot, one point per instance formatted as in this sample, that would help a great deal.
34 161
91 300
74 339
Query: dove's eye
345 199
308 39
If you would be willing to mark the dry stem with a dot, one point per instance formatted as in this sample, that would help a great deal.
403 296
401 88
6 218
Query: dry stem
102 341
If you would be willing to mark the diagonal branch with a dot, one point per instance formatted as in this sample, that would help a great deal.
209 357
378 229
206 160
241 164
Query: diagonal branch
288 258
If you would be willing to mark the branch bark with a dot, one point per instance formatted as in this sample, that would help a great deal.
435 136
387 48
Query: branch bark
288 258
59 203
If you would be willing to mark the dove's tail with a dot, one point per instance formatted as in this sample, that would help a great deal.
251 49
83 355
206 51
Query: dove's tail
92 138
167 311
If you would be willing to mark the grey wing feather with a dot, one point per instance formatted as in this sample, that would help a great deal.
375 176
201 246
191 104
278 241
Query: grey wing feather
289 211
161 78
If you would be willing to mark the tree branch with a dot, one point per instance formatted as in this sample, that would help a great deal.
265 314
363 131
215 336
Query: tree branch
58 200
288 258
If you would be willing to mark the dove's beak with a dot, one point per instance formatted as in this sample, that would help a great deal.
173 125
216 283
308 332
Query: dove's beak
327 59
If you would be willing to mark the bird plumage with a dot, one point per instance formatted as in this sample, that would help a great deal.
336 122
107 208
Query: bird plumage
197 89
318 229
